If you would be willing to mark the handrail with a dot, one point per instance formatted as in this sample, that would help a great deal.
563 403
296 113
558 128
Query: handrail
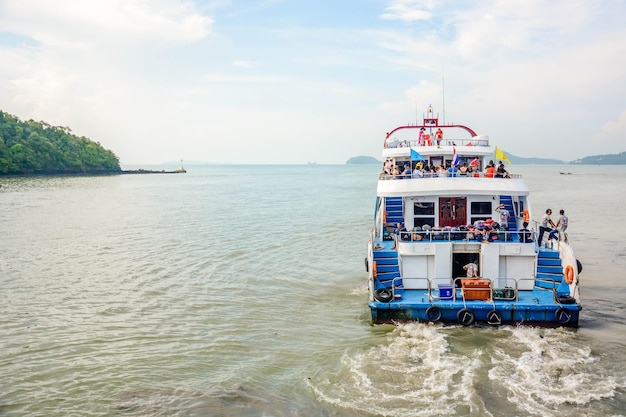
475 140
411 176
421 236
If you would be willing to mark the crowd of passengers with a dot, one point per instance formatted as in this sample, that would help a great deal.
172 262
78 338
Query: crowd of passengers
422 169
481 231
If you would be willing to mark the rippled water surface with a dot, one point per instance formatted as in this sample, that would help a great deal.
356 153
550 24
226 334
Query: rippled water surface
241 291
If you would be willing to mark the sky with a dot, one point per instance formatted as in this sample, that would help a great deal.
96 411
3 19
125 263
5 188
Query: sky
297 81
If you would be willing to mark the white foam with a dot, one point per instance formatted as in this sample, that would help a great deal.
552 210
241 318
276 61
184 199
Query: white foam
412 373
544 369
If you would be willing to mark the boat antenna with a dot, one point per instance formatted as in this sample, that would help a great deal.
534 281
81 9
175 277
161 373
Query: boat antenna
443 98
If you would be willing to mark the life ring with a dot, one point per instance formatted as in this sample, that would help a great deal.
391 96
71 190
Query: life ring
569 274
494 318
433 314
374 272
383 295
384 216
563 315
465 316
526 216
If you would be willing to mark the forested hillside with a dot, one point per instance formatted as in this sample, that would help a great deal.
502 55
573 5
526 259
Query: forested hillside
38 148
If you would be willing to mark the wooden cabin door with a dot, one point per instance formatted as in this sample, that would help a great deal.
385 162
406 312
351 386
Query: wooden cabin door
452 211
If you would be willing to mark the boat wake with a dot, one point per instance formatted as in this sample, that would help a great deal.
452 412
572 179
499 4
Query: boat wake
545 372
424 370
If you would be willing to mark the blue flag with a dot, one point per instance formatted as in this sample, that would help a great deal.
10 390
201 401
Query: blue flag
415 156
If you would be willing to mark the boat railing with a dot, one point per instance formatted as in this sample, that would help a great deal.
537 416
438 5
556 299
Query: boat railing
414 143
501 289
428 175
469 235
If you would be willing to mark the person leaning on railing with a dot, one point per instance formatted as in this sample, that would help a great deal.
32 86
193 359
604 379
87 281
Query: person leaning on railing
525 235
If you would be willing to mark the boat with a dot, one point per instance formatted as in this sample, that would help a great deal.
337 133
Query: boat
458 246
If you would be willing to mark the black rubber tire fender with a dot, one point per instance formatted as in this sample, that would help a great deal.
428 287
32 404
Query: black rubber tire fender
384 295
563 315
494 318
465 316
433 313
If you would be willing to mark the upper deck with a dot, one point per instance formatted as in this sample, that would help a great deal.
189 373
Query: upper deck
453 154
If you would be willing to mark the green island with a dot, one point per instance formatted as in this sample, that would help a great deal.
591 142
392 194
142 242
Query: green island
36 148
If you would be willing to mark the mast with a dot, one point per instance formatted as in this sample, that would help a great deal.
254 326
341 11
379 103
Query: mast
443 98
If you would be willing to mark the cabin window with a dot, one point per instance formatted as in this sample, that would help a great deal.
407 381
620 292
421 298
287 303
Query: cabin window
480 210
424 213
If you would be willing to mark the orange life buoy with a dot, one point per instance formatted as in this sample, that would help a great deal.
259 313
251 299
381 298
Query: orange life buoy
569 274
374 273
526 216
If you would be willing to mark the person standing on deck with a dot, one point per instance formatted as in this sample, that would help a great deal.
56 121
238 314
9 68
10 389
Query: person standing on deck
474 164
439 137
561 224
504 215
471 269
545 225
427 139
501 172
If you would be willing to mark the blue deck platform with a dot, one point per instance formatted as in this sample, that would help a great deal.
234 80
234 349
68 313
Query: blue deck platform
546 304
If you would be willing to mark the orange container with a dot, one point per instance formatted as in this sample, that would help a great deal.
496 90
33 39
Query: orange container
476 289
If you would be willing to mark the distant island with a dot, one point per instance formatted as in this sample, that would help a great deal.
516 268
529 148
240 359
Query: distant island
34 148
360 160
614 159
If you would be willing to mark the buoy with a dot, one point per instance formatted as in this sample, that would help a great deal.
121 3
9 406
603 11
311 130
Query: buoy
569 274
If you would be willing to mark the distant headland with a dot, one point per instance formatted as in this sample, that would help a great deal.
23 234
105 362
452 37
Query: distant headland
37 148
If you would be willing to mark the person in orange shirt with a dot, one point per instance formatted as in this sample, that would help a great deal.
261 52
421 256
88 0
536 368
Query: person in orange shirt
427 139
439 136
491 170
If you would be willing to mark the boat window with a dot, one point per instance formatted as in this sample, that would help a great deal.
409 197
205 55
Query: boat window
424 213
480 210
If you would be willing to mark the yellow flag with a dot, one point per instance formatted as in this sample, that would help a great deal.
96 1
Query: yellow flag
501 156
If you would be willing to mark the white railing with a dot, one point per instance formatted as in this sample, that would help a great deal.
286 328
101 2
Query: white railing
430 174
500 289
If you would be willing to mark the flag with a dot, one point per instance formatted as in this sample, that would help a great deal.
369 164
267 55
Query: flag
455 158
415 156
501 156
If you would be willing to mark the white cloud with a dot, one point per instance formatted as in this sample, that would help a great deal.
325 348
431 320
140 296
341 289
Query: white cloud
408 10
243 64
157 80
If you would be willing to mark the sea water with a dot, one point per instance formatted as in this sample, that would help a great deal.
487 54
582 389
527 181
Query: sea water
242 291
